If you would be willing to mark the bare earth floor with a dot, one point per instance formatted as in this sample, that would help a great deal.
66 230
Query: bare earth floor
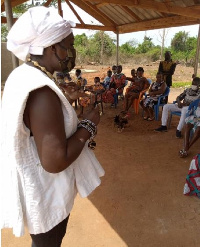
140 201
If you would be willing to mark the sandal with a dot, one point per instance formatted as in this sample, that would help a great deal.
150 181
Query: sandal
150 118
183 153
145 118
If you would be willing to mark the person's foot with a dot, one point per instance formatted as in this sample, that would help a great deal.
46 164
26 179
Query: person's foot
178 134
183 153
162 128
150 118
112 105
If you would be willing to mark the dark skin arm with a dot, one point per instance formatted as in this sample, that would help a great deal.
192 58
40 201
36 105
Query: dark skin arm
44 117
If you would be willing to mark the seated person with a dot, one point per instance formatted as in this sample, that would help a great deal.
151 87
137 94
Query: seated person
67 77
191 122
139 83
156 89
81 82
183 102
107 80
94 96
114 69
97 81
117 84
134 75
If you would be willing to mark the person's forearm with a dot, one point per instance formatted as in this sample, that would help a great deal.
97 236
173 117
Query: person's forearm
65 157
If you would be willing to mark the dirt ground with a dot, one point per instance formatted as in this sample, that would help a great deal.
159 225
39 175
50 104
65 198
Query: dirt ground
140 202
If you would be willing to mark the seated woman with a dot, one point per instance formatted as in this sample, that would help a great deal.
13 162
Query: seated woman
156 89
107 80
139 83
117 84
192 122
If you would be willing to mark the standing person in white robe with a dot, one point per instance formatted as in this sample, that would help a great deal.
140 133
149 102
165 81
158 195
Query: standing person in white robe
46 155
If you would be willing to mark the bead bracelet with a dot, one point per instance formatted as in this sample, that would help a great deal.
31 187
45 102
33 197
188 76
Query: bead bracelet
90 127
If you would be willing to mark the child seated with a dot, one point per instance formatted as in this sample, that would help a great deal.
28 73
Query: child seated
106 82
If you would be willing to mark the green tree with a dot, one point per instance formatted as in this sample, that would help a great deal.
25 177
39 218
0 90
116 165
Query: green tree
128 48
146 45
179 41
4 32
100 44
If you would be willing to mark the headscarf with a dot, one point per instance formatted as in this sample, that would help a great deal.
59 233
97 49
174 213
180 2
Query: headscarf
36 29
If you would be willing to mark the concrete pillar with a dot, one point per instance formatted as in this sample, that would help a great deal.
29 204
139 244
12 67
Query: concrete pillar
9 17
197 54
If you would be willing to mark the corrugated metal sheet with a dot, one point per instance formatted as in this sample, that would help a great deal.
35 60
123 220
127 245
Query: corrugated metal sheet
127 16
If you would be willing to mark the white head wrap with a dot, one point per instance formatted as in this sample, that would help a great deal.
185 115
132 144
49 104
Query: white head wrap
35 30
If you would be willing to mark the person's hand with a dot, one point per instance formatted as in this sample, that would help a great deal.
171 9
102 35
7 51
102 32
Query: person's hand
92 114
180 105
73 91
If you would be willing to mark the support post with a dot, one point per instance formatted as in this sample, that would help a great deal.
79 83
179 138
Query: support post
117 53
197 54
9 17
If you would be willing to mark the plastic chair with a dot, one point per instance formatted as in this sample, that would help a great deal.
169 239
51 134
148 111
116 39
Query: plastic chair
136 102
160 103
175 113
192 107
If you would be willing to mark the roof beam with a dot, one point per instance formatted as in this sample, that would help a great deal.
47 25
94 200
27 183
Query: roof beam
99 11
157 6
74 11
47 3
81 4
95 27
174 21
13 4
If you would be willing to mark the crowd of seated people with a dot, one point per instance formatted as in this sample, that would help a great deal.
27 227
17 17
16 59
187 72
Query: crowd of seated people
117 84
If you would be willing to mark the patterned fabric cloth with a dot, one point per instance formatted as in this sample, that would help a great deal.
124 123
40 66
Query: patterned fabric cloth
194 119
151 101
192 185
189 95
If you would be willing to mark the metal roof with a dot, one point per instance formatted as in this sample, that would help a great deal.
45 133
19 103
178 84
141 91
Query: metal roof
124 16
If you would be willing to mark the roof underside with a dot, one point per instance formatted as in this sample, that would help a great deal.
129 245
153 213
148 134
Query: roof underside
124 16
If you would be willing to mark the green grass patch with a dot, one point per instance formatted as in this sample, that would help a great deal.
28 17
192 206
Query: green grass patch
178 84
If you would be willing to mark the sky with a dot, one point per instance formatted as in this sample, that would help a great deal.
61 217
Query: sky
123 38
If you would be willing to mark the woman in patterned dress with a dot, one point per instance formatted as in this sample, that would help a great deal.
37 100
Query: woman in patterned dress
156 89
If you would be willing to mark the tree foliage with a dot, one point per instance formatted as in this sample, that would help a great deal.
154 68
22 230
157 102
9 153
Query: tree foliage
179 41
183 46
146 45
128 47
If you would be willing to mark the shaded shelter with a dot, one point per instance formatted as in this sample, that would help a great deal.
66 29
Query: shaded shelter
127 16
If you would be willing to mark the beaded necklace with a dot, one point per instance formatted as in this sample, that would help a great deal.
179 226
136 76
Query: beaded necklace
43 69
